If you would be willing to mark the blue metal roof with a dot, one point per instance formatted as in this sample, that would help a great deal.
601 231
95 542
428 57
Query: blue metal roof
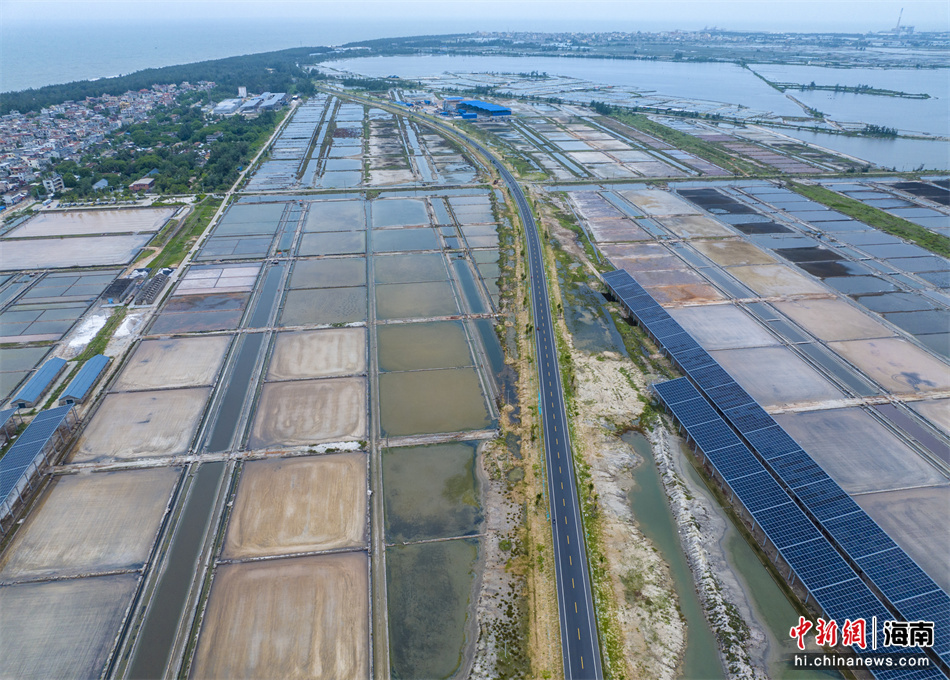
25 455
484 106
37 385
79 386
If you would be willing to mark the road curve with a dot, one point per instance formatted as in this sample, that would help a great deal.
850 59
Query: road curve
579 645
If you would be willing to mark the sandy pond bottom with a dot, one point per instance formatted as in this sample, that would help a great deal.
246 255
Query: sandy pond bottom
180 362
61 629
305 412
318 354
142 424
305 617
91 523
297 505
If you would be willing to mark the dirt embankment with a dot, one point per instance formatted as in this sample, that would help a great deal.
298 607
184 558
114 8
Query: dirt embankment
642 610
702 527
653 630
516 604
608 389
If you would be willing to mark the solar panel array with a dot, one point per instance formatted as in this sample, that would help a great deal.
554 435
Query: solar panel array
836 587
5 416
905 585
25 455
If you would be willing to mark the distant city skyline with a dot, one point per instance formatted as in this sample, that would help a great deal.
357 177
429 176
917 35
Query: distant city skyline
409 17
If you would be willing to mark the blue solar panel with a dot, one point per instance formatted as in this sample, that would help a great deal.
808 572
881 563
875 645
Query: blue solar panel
826 499
693 359
933 606
665 328
735 461
758 492
817 564
797 468
858 534
675 391
786 525
729 395
713 376
713 435
748 417
24 452
679 343
852 600
896 575
79 386
616 276
5 415
651 315
771 442
40 380
695 412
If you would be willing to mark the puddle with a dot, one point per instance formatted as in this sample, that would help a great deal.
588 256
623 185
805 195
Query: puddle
392 240
851 285
824 270
333 243
469 288
336 215
590 325
328 273
409 268
268 298
429 590
232 405
431 492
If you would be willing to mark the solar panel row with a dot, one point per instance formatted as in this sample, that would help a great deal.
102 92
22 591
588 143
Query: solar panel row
820 568
20 461
841 517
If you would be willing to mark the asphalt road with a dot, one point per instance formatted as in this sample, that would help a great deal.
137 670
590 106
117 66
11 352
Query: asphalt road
578 624
579 643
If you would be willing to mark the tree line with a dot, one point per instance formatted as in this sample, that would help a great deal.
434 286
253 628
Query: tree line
269 71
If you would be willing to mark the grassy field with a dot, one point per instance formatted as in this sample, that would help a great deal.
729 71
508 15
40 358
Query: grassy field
891 224
176 249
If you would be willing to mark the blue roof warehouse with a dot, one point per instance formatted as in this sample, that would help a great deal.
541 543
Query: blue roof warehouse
483 108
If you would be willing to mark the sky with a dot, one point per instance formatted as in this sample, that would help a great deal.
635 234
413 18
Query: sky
413 17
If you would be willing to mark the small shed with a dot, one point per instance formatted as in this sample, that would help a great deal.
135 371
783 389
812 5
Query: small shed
80 386
36 387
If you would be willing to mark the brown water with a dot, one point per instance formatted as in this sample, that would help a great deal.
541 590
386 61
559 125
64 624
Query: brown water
423 402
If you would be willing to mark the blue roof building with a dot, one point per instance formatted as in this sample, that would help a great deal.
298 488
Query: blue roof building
80 386
31 393
483 108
